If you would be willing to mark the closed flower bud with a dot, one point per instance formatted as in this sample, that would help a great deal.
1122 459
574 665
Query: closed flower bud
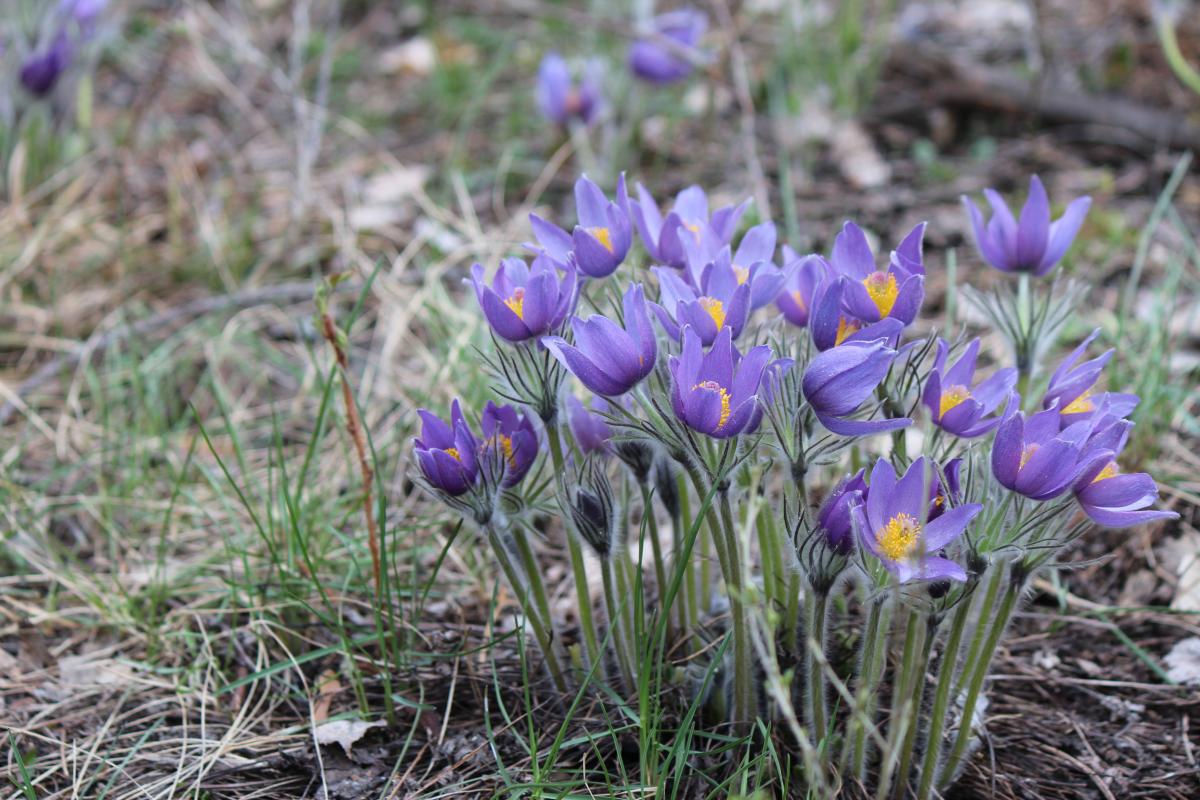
666 487
637 455
593 510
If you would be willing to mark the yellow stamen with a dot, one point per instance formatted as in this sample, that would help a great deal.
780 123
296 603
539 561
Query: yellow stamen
715 309
846 327
453 453
1110 471
899 537
1026 454
882 288
506 447
713 386
603 236
951 398
1081 404
798 299
517 302
742 274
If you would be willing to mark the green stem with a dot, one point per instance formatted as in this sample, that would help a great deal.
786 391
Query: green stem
917 692
616 624
743 686
871 671
816 608
902 714
660 571
1186 73
985 606
941 697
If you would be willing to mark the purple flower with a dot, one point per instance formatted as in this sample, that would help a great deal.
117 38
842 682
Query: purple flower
511 438
721 302
838 381
871 294
445 452
1070 388
525 302
716 393
591 432
752 263
668 53
940 493
608 359
831 325
1031 244
957 408
893 525
1117 500
41 70
835 517
1038 458
802 279
560 99
688 217
83 12
599 242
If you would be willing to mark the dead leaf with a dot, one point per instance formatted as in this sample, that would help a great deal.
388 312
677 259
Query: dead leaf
857 157
328 686
417 56
1183 662
344 732
1182 556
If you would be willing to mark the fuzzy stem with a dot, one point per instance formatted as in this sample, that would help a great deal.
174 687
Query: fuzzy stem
941 697
903 715
743 707
985 607
617 623
816 608
660 570
871 670
917 691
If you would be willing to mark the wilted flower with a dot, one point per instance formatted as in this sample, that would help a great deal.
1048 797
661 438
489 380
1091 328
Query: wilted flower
667 55
591 432
953 405
525 302
510 437
558 96
608 359
599 242
838 381
446 453
871 294
1031 244
835 519
1039 459
716 393
802 278
720 302
893 525
42 69
1070 388
830 324
688 217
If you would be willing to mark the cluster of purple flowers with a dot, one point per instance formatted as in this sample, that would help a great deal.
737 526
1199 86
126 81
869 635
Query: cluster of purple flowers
74 24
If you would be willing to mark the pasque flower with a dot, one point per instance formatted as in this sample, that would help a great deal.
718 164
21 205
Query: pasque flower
668 53
1038 458
688 217
835 516
721 301
591 432
893 524
1108 496
445 452
942 493
524 302
561 99
954 405
42 69
608 359
802 278
870 294
752 263
1071 386
601 240
1032 243
716 393
839 380
510 440
831 325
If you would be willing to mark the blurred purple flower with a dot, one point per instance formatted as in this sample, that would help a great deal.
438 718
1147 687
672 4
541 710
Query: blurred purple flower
669 52
835 517
839 380
1070 388
591 432
445 452
949 491
41 70
560 99
1031 244
716 393
523 301
601 240
688 217
802 278
957 408
608 359
510 437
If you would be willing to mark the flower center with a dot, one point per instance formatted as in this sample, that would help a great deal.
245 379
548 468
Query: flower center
952 397
504 443
516 303
603 236
1081 404
453 453
1110 471
899 537
846 327
881 286
798 299
1027 453
713 386
741 273
715 309
694 227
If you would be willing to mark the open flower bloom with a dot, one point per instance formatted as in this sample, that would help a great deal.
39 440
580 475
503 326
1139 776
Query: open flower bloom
1071 387
509 442
835 517
872 294
446 452
752 263
832 325
688 217
1116 500
838 381
601 240
1038 458
893 525
608 359
560 99
1032 243
716 393
954 405
802 278
667 55
591 432
525 302
720 302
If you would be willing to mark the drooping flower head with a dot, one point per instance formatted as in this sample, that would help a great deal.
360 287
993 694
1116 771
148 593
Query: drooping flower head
561 99
840 380
832 325
688 217
608 359
802 278
524 302
510 441
721 301
42 69
1071 386
716 393
446 453
591 432
668 53
1032 243
601 240
870 293
835 517
1038 458
894 526
957 407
